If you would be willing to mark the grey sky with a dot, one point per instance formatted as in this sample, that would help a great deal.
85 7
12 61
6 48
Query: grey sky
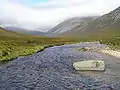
49 13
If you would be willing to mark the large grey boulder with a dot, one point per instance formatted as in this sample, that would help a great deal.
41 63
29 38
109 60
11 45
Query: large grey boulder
91 65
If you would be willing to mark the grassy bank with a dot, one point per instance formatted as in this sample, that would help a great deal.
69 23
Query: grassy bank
13 47
113 42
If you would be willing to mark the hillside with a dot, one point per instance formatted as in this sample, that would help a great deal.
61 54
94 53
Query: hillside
67 25
13 44
4 32
107 25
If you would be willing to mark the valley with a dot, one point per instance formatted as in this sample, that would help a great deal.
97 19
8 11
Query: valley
13 44
32 59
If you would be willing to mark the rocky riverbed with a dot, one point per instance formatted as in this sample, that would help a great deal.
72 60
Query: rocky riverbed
52 69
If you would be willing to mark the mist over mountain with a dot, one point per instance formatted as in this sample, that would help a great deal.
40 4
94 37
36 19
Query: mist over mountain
100 26
33 14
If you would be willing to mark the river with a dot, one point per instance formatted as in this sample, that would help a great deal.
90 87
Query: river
52 69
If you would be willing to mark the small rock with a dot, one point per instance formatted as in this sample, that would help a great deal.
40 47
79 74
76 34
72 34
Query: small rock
91 65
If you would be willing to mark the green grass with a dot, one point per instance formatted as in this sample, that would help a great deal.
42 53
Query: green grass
110 37
114 43
13 47
82 49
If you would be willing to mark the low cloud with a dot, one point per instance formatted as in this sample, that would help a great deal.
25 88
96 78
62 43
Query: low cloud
48 14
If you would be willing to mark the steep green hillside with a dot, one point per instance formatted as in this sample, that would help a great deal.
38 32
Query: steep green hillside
4 32
7 33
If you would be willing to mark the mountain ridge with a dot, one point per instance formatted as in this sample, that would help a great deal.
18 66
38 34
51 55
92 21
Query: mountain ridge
25 31
107 23
68 25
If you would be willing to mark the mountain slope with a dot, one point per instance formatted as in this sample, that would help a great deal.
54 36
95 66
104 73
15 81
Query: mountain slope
4 32
22 30
106 25
68 25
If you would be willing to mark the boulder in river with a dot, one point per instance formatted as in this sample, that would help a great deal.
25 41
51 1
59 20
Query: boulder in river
91 65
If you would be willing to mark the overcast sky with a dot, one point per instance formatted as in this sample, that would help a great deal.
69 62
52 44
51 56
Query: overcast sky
33 14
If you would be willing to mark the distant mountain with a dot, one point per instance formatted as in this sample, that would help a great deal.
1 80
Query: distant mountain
36 33
6 33
107 25
22 30
68 25
15 29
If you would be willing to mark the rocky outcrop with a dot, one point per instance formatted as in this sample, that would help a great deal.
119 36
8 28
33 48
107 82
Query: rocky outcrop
91 65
